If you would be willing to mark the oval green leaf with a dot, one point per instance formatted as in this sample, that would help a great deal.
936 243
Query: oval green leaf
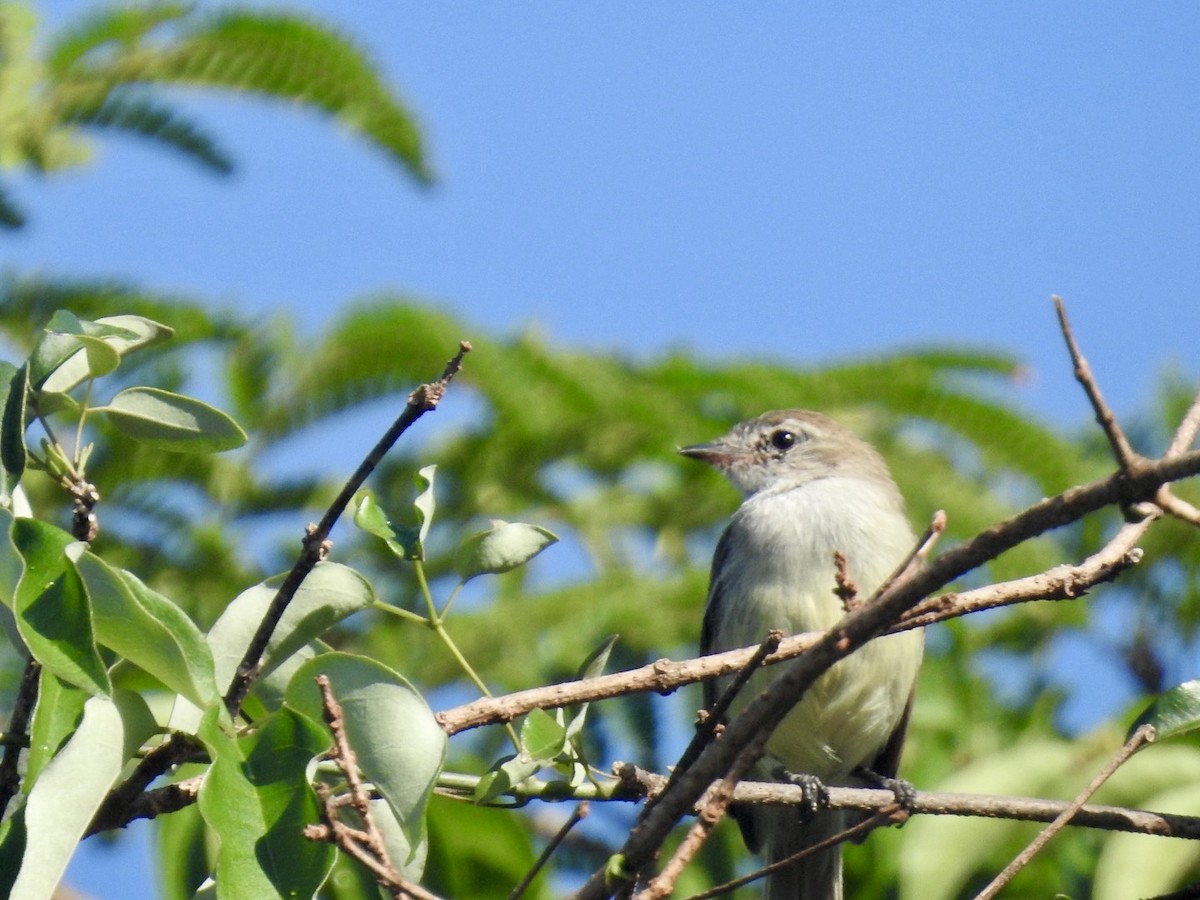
257 799
120 334
1173 712
542 737
14 385
74 784
398 742
148 630
500 548
171 421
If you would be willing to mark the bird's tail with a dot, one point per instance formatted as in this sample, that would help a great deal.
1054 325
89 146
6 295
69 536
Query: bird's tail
815 877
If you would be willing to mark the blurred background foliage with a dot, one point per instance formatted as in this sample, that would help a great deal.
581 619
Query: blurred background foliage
582 442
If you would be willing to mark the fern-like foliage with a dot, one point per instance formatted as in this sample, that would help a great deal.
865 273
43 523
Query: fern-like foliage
281 56
112 70
144 117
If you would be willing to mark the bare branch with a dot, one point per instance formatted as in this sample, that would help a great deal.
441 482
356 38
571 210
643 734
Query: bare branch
946 803
1126 456
424 399
1185 434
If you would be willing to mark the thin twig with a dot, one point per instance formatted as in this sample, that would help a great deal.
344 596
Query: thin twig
1185 434
18 725
1177 507
365 844
1184 437
1140 738
709 722
124 804
712 718
867 825
1065 582
1126 456
424 399
577 815
663 885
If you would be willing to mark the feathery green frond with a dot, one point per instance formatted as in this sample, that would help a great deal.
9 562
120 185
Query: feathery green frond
122 26
142 116
280 56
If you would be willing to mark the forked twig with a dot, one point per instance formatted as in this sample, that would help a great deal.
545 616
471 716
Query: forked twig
365 844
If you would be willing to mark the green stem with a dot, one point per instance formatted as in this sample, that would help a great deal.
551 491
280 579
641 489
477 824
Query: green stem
77 449
457 784
406 614
435 622
446 606
426 594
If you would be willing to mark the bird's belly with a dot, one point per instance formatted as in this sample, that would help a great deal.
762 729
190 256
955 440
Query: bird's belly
845 719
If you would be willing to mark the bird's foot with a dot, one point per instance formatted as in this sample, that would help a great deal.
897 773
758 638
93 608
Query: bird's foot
903 791
816 795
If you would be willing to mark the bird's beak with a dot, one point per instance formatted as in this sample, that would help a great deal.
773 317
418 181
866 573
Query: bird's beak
716 453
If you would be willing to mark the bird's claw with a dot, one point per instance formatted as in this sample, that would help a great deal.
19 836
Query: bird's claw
816 795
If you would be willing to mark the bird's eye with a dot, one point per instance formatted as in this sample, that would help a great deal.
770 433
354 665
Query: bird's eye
782 439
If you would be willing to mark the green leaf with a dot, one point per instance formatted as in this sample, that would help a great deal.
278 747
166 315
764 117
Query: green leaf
53 613
14 386
412 538
406 541
542 738
329 594
409 860
82 346
73 785
1144 865
398 742
505 775
172 421
121 25
257 799
148 630
55 718
123 111
592 667
370 517
120 334
180 848
57 343
1173 712
501 548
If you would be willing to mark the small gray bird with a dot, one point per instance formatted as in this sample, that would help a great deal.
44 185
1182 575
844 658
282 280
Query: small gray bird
809 487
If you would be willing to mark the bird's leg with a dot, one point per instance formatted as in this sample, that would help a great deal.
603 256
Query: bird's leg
816 795
903 791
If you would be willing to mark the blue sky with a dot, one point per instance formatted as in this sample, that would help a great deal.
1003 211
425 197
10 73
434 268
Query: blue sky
802 181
